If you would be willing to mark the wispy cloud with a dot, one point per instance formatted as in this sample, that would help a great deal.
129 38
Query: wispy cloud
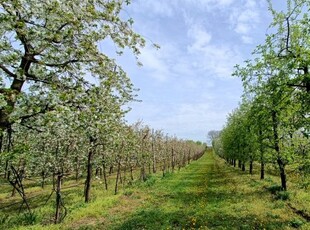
217 59
159 7
208 4
169 8
186 86
201 38
155 64
244 19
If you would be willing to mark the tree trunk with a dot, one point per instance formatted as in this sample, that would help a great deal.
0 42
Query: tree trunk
262 170
164 167
142 173
111 169
243 166
1 140
120 179
282 173
277 149
105 176
21 174
131 172
97 171
6 170
58 197
117 176
18 185
262 160
124 174
172 159
89 175
154 157
251 167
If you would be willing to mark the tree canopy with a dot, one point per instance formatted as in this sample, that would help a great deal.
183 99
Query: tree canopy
271 124
50 53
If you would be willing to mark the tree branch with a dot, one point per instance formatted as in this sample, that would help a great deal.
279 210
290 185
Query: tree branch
288 33
7 71
32 128
59 64
43 110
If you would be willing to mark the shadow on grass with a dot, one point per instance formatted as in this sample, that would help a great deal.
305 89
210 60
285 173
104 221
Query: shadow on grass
158 219
200 199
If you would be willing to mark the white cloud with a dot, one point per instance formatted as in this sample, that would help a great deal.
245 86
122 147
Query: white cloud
249 16
168 8
209 4
250 4
220 60
201 37
247 39
155 63
242 28
159 7
217 60
244 19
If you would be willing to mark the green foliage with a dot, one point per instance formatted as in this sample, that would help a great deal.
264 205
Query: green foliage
150 181
60 41
282 195
274 189
272 122
4 219
167 175
28 219
296 223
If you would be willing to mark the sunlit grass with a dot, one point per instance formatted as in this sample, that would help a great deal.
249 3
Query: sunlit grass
208 194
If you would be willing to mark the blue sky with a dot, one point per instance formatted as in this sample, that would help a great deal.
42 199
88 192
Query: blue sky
186 86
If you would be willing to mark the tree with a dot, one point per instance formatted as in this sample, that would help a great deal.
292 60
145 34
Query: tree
290 50
212 135
53 46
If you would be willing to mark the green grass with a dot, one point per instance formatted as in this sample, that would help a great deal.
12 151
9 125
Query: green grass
210 195
207 194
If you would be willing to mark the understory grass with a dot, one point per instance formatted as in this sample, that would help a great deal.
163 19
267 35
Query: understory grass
207 194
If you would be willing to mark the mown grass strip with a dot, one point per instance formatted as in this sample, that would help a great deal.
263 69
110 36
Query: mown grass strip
208 194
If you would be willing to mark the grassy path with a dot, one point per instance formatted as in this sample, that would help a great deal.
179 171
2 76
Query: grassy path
205 195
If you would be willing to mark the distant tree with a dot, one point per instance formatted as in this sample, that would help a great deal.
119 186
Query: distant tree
212 135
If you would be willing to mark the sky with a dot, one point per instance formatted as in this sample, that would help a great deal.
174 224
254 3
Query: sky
186 87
